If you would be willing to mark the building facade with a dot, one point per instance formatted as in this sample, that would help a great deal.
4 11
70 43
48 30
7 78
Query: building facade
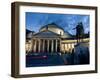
51 39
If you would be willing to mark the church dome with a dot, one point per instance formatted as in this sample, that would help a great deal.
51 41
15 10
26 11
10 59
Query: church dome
54 28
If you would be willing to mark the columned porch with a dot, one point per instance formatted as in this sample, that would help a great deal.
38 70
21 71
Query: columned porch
46 45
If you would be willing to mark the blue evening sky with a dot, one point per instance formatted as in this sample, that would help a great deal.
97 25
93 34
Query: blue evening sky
34 21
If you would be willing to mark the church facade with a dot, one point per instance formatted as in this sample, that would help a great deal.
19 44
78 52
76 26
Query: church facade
51 39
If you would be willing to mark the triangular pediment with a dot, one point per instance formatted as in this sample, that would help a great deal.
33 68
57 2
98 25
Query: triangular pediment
46 34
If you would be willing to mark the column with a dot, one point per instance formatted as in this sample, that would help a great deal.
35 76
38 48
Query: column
48 46
35 45
56 45
60 44
52 46
39 46
71 47
43 45
64 48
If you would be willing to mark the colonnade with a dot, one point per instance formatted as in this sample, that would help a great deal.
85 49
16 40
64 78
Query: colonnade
67 47
46 45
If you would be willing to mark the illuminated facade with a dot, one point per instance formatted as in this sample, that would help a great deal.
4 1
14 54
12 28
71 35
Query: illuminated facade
51 38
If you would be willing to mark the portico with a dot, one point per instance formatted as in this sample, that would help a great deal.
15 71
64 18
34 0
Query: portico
46 45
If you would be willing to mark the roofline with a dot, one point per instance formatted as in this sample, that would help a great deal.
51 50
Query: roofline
50 24
45 31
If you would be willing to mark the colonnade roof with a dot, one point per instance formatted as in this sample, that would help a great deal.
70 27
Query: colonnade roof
66 35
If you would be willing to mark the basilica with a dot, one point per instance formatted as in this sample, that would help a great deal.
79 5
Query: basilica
51 38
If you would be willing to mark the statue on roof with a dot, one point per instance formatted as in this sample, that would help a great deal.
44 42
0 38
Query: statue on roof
79 32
